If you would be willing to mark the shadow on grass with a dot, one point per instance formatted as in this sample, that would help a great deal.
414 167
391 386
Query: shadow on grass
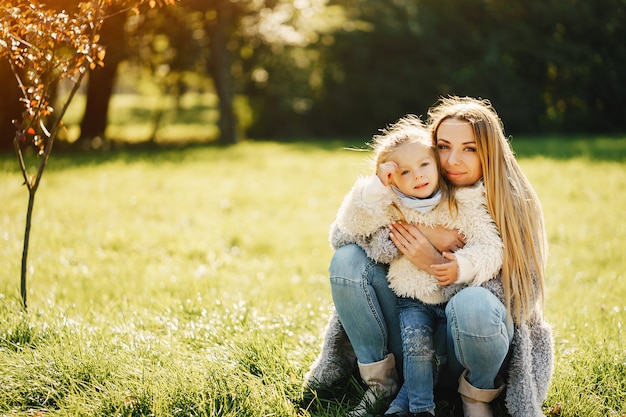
597 148
593 148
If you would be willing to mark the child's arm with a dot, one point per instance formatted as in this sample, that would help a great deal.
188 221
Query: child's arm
481 257
364 218
366 208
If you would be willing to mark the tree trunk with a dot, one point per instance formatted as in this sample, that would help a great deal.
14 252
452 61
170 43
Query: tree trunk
101 80
10 106
220 67
99 92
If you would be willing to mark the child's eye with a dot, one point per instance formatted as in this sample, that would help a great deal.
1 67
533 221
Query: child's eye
425 164
406 171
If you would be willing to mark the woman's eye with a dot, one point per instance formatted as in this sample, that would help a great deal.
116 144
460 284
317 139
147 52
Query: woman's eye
470 149
442 146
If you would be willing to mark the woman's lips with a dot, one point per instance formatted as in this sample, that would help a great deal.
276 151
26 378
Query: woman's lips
454 174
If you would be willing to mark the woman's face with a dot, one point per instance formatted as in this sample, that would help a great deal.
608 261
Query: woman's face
458 152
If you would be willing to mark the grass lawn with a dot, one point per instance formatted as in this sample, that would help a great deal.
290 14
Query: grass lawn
194 281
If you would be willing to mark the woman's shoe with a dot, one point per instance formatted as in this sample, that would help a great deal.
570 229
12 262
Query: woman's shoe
476 401
382 380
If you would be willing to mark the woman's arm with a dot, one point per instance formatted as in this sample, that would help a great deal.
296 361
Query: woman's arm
415 246
377 246
444 240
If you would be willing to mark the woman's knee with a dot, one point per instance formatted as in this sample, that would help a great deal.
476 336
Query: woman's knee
348 262
476 311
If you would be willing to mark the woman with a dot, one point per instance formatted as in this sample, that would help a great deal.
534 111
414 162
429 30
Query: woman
503 335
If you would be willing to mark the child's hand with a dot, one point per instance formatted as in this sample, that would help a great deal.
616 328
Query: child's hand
385 172
446 273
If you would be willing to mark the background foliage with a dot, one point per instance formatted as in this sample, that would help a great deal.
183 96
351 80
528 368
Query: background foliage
343 68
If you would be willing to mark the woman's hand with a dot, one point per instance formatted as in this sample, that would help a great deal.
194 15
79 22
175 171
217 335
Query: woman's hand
415 246
444 240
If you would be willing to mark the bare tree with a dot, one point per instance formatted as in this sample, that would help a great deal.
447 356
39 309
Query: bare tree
43 47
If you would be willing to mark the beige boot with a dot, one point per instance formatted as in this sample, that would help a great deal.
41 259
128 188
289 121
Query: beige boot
476 401
382 380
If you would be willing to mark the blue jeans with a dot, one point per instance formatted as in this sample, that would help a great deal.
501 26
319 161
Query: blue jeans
479 333
366 306
423 328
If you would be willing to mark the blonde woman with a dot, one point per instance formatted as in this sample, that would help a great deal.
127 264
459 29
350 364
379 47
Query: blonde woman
496 333
408 185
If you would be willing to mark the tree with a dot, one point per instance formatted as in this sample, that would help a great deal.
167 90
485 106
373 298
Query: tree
43 47
219 40
168 44
101 79
220 69
282 64
10 105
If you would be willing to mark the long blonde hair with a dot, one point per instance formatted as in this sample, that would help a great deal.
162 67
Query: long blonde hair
410 129
511 201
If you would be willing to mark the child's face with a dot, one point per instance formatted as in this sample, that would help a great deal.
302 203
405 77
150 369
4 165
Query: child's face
417 174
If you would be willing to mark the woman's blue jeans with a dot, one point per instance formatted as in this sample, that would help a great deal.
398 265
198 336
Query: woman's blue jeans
366 306
478 331
479 335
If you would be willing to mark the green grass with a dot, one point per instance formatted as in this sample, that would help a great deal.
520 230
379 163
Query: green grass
194 281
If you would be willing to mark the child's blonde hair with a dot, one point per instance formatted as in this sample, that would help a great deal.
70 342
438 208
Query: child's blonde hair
511 201
410 129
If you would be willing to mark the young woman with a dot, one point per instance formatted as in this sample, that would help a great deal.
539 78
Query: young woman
408 185
501 339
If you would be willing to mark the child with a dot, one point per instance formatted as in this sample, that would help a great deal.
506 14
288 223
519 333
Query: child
408 186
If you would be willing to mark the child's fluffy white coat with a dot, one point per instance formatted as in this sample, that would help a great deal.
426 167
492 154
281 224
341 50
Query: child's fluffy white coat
370 208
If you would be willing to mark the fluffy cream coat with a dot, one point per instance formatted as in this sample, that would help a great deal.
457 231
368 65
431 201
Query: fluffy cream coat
370 208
